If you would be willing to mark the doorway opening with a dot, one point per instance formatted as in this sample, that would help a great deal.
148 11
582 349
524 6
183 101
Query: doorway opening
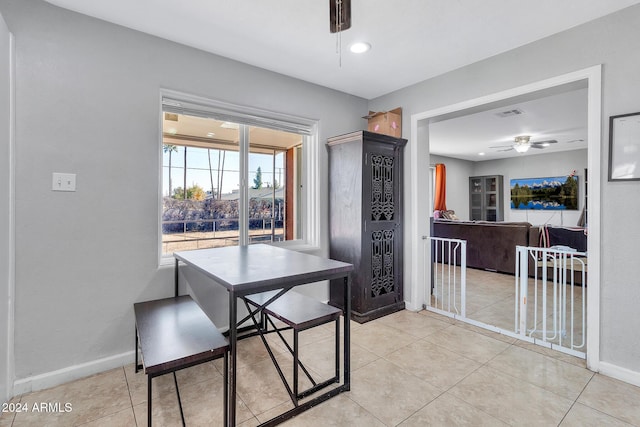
420 154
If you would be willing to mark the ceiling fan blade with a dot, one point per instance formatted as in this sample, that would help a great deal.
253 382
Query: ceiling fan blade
501 146
508 149
550 141
540 147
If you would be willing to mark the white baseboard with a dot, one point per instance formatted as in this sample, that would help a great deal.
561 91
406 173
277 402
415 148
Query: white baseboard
71 373
622 374
412 307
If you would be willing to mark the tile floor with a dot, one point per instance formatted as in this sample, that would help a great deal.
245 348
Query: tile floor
408 369
491 300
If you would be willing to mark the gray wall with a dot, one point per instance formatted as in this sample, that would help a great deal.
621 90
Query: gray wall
530 166
613 41
87 102
537 166
4 208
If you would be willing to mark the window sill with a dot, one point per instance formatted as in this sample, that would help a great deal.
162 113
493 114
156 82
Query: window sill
298 246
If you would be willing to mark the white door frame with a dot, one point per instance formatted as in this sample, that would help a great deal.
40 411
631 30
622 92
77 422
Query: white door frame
7 283
418 203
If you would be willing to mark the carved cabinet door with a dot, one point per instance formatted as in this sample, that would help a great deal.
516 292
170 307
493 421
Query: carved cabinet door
382 225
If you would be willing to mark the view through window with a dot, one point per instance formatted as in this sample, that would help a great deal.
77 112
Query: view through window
202 186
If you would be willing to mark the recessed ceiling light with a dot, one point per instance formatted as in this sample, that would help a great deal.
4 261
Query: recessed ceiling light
210 134
173 131
360 47
481 154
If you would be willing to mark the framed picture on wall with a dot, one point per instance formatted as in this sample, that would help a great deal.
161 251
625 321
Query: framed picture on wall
556 193
624 147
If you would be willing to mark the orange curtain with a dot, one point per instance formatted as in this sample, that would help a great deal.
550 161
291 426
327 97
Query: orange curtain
440 202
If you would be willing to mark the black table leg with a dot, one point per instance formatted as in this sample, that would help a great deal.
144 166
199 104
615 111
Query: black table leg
347 338
233 341
175 277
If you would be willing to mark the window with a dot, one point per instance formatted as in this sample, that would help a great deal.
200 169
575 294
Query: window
233 176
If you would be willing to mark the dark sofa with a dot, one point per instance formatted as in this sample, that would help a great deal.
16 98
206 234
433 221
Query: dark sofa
490 245
573 237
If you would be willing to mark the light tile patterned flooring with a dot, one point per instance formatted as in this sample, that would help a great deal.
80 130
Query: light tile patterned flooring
408 369
491 300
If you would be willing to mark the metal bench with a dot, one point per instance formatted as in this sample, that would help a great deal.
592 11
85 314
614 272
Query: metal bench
173 334
298 312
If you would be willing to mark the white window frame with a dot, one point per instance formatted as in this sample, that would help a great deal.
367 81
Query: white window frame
310 206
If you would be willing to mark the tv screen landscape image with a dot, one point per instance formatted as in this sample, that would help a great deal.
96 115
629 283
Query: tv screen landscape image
551 193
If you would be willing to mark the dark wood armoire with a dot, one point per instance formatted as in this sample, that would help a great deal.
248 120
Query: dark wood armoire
365 220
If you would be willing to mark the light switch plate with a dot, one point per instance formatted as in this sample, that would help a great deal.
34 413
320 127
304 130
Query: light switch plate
64 182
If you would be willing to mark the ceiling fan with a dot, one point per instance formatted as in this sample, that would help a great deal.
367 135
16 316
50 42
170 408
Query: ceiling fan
522 144
339 15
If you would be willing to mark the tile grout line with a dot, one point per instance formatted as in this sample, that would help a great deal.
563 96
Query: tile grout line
485 364
129 390
509 346
445 391
348 396
590 407
578 397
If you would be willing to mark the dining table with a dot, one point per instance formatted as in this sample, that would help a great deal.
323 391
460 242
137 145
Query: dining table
252 269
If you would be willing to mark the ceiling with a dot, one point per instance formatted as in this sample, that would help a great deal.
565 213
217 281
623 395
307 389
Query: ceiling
560 116
412 40
181 129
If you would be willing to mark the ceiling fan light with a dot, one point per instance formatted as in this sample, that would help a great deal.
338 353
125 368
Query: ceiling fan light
521 148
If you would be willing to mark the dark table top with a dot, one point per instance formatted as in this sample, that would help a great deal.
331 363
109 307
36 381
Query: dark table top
257 268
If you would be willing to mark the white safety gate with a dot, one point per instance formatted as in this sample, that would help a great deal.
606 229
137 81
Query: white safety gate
550 292
448 275
551 297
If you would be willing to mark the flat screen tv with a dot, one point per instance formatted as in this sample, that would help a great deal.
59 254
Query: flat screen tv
552 193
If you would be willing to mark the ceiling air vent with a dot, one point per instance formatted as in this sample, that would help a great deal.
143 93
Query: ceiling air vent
171 117
509 113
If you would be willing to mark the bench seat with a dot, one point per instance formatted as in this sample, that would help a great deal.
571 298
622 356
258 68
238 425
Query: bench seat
296 310
173 334
299 312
